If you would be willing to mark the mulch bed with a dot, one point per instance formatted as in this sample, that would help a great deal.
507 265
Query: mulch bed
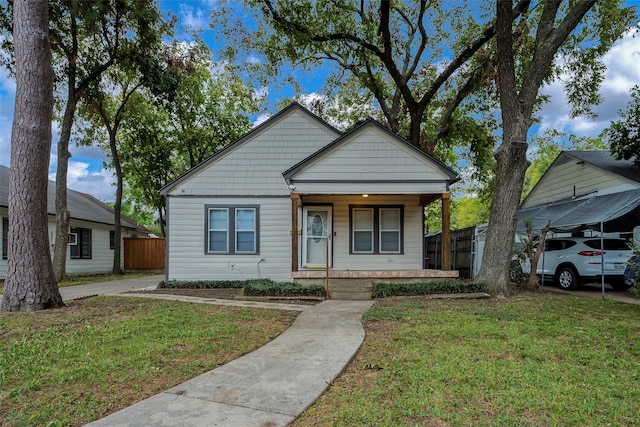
235 294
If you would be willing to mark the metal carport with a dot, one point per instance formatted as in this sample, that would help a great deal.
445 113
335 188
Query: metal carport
617 212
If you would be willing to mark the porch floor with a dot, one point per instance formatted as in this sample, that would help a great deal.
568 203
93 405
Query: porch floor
374 274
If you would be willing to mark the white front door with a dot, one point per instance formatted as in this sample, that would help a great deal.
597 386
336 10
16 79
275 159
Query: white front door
316 239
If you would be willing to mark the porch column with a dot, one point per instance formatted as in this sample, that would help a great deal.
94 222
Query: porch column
295 202
446 231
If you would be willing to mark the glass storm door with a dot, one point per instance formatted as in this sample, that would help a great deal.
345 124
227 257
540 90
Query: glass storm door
316 244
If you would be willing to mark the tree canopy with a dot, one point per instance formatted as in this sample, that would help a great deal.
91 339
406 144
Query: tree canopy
624 134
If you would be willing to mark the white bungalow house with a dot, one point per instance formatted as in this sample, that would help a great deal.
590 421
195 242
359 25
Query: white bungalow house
91 229
295 199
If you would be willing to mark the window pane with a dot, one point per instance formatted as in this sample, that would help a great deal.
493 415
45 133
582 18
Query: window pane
362 241
218 241
245 219
390 241
390 219
218 219
85 241
245 241
363 219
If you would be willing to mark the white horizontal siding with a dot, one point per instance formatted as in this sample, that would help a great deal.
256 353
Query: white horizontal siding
411 259
255 167
370 155
186 236
558 183
101 260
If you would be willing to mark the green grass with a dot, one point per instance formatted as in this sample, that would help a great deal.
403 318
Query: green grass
70 366
535 360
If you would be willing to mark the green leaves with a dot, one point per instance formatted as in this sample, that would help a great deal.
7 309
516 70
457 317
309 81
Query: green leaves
624 134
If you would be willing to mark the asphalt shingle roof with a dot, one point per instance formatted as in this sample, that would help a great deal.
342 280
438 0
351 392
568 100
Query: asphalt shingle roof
81 206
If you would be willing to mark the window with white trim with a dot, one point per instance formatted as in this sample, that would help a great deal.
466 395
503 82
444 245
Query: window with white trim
232 229
376 229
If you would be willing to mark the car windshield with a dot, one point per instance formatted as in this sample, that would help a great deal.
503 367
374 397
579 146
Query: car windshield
609 244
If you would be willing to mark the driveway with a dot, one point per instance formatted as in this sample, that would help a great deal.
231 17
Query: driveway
109 288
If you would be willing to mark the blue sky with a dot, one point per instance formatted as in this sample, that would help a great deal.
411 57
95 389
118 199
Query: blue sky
87 173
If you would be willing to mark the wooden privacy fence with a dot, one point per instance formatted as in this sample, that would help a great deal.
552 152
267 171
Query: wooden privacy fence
463 248
144 253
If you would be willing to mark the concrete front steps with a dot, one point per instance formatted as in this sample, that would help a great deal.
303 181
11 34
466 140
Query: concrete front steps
350 289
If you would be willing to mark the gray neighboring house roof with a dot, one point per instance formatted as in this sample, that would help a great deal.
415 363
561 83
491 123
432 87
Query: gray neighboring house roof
604 160
615 212
81 206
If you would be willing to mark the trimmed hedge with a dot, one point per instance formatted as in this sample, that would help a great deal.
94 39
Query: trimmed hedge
443 286
283 289
258 287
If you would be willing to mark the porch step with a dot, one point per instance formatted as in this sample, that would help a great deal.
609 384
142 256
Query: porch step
350 289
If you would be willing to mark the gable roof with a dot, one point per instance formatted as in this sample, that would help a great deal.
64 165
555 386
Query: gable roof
447 171
81 206
601 160
604 160
294 106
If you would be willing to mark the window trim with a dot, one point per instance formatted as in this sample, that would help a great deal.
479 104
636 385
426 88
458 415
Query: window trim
377 230
232 231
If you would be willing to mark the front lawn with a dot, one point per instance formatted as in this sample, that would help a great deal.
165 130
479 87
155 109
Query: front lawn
70 366
531 360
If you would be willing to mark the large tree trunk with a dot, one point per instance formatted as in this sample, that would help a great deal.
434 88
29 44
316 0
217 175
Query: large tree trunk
30 283
511 165
517 101
511 162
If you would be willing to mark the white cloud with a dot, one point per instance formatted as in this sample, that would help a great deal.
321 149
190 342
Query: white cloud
261 119
621 75
194 18
100 183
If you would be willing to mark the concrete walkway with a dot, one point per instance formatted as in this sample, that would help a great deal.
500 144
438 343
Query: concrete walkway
109 288
268 387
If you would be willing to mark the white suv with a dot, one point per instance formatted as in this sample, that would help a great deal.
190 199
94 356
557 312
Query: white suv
568 261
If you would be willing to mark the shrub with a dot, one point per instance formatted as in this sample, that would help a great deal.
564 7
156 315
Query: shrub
285 289
258 287
443 286
201 284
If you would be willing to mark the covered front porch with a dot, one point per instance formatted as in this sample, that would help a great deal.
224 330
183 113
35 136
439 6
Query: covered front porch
357 210
327 236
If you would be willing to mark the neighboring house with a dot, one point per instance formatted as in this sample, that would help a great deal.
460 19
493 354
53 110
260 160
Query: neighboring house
295 197
91 229
585 190
580 192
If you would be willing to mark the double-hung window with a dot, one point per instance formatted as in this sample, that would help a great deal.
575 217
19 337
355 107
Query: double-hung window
376 229
232 229
5 238
80 243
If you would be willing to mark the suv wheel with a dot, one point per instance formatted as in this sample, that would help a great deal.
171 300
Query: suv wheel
567 278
